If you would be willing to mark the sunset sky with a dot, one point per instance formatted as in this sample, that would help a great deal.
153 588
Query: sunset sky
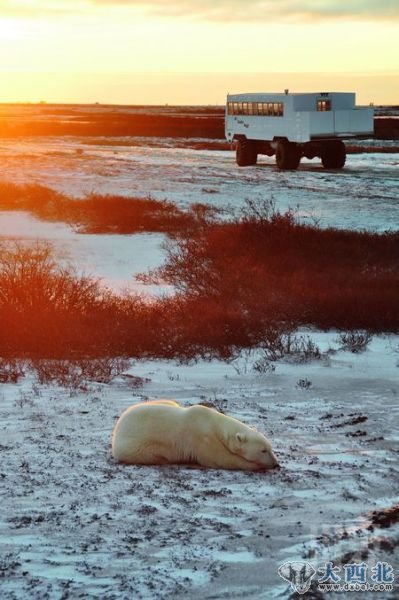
195 51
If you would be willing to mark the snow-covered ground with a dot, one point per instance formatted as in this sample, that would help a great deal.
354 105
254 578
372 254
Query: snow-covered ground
113 259
364 195
75 525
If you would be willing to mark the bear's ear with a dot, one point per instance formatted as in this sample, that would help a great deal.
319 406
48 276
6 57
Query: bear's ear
241 437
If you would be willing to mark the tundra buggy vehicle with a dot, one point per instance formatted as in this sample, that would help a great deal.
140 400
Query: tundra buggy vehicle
295 125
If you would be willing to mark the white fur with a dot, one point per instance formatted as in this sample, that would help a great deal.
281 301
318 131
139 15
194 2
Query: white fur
161 432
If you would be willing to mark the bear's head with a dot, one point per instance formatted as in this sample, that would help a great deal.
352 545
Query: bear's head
254 447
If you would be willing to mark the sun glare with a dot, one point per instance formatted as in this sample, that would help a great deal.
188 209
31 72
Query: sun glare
102 52
11 29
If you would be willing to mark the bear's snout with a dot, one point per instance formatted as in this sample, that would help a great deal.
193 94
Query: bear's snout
272 462
276 464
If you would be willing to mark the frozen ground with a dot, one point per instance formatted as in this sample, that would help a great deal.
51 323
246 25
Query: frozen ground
75 525
363 195
114 259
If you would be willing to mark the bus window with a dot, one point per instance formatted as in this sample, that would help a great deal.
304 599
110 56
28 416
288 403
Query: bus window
323 105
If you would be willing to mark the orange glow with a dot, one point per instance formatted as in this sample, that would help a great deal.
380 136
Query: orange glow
126 53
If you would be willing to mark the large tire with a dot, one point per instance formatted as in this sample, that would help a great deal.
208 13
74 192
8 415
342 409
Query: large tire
246 154
333 154
288 156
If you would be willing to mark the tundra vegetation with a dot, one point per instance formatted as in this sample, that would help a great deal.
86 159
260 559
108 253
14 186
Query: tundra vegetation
245 282
96 213
206 122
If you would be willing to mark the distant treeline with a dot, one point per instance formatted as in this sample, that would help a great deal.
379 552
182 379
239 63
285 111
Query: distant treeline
115 124
194 122
386 128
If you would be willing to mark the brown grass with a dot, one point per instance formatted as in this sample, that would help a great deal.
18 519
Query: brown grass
148 121
267 268
238 284
105 122
96 213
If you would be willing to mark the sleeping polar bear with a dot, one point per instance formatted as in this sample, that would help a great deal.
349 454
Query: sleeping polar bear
162 432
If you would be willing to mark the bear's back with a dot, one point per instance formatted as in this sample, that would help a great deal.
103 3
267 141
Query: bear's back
144 423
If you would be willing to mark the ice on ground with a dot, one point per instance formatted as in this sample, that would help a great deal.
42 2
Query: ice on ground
364 195
114 259
73 522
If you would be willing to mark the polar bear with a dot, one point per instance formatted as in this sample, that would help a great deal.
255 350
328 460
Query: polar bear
163 432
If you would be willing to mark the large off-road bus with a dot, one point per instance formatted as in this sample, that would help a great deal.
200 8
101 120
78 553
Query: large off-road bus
294 125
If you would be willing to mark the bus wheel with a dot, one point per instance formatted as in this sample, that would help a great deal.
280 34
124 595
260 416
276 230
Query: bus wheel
288 156
246 154
333 154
